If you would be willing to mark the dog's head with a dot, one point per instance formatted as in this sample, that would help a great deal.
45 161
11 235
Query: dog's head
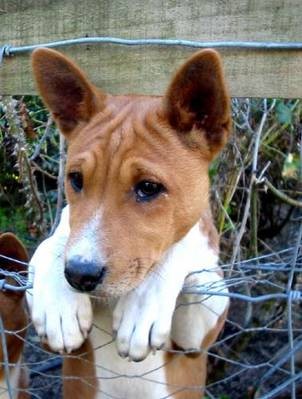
12 307
137 166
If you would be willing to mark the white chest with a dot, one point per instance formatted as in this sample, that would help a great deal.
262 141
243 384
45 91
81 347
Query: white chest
118 378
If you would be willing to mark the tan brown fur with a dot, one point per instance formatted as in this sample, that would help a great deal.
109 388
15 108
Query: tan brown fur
23 384
191 368
79 374
125 139
208 228
12 307
116 142
186 375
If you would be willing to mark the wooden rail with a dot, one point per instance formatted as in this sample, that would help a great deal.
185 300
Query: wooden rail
251 73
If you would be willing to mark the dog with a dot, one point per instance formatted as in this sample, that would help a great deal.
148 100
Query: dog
136 230
14 318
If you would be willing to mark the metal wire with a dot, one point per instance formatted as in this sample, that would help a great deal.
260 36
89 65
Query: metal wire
267 284
8 50
289 294
274 366
255 274
6 360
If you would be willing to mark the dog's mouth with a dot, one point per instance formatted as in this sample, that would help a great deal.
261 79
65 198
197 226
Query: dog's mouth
115 288
105 291
109 287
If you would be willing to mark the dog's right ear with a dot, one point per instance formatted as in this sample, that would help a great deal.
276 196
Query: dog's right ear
64 88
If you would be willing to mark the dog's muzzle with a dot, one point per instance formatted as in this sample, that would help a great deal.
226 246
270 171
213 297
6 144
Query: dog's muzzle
84 275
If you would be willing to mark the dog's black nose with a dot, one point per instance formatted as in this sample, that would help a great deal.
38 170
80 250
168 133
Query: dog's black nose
83 275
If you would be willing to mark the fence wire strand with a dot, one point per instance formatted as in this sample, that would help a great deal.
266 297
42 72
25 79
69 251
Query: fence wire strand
262 338
7 50
221 351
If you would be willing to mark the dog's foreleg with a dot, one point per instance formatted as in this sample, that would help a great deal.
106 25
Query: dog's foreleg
61 316
142 318
198 319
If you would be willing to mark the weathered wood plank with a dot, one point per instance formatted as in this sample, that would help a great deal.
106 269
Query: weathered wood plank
147 69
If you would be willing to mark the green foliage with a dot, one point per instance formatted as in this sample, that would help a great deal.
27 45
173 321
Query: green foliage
13 220
283 113
278 160
29 164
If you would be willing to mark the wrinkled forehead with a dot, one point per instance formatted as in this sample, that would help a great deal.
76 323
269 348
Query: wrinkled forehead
119 123
129 131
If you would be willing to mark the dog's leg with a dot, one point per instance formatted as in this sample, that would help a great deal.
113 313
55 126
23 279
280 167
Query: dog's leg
198 319
60 315
142 318
79 376
186 375
23 385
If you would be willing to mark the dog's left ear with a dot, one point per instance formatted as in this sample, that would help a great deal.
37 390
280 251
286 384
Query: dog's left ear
198 100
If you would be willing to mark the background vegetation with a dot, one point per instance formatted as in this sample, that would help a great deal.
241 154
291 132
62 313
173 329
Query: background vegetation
260 169
257 200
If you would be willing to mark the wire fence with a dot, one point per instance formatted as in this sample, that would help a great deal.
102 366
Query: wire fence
259 353
7 50
270 374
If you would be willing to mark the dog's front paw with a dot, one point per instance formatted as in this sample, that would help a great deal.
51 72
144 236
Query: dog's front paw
62 317
142 319
63 322
196 315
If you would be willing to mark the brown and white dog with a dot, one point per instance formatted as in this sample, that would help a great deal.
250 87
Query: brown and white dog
138 222
14 318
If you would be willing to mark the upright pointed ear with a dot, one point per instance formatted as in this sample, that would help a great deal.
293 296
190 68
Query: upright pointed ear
197 99
64 88
12 248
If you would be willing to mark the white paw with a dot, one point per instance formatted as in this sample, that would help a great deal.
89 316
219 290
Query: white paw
142 319
196 315
62 317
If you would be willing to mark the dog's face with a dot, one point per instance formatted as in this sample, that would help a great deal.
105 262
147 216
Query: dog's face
137 166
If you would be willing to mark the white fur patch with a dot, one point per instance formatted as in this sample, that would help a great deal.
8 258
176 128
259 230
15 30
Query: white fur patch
146 312
59 314
65 316
87 245
118 377
196 315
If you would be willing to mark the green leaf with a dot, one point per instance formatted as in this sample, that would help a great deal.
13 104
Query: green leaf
284 113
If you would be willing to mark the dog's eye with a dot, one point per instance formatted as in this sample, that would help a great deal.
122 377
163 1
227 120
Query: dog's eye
147 190
76 181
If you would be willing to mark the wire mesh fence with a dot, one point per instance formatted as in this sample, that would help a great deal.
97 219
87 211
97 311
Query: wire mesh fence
257 204
259 290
